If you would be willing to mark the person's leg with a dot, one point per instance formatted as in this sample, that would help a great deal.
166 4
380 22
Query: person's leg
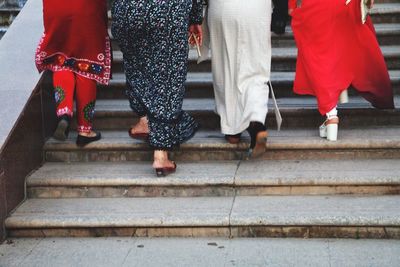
64 87
329 129
85 106
279 16
141 129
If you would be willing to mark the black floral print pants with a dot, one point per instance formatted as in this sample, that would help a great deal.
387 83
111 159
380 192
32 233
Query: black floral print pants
153 36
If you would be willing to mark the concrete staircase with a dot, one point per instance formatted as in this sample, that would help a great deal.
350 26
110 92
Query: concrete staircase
303 186
9 9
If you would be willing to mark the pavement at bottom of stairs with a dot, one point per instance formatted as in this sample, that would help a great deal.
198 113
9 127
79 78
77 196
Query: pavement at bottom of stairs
198 252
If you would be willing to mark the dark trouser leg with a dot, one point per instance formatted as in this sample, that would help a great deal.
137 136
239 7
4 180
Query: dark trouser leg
279 16
134 102
155 49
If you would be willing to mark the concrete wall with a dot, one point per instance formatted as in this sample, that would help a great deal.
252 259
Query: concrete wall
26 113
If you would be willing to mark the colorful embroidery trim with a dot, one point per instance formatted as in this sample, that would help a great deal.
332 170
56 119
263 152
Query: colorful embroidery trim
84 129
62 61
64 111
59 94
88 111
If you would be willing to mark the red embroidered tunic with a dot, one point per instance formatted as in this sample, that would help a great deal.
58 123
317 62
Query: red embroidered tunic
75 38
335 50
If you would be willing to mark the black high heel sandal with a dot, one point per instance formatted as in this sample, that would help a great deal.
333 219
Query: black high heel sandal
62 130
233 139
258 134
162 172
82 141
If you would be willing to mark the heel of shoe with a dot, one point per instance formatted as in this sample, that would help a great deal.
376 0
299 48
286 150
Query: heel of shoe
162 172
329 129
260 145
82 141
322 131
344 97
332 131
61 132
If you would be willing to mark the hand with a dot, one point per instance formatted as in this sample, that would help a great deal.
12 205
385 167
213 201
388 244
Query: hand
290 11
198 32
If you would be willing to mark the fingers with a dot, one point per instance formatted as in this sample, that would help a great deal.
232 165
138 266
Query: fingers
371 3
195 35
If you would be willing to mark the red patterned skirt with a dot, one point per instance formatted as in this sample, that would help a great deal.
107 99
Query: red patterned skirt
75 38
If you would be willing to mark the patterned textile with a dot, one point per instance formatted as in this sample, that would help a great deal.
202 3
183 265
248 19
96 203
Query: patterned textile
75 38
153 36
66 85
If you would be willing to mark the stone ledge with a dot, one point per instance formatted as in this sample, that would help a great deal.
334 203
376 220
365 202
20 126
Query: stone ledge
300 139
199 252
247 173
210 179
205 79
316 211
18 46
281 53
279 216
354 232
119 212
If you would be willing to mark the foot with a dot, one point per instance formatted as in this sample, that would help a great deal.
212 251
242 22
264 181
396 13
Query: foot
233 139
162 165
62 130
86 138
258 135
329 129
140 130
278 23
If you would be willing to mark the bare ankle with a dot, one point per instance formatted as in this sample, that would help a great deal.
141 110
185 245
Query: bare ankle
142 126
161 159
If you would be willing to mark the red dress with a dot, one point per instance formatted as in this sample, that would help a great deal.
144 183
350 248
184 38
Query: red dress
75 38
335 50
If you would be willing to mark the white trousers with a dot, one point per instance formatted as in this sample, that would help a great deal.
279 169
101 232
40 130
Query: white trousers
240 41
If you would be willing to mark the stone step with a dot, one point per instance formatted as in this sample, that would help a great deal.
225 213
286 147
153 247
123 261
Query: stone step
283 59
383 14
267 216
198 252
207 179
357 143
387 34
386 12
199 85
117 114
8 14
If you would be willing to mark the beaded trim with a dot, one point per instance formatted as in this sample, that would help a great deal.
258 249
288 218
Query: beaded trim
64 111
98 71
84 129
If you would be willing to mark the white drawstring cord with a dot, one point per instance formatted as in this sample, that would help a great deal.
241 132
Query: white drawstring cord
278 115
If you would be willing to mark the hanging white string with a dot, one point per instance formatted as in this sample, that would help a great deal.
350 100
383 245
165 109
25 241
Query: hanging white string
278 115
